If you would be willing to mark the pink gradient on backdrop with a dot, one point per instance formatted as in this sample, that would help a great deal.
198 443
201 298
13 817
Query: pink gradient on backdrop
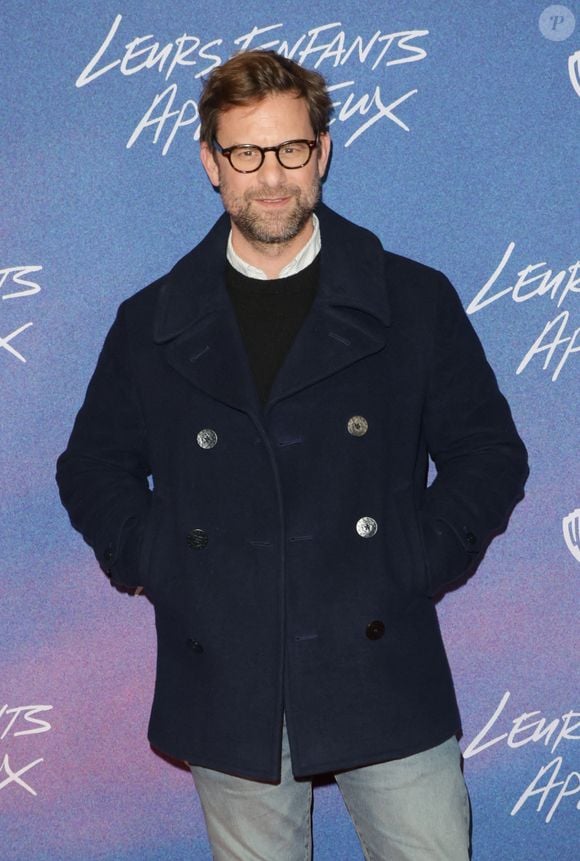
98 675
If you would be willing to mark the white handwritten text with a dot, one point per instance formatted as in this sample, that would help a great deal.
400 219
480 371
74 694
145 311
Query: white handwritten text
533 728
537 281
329 44
16 722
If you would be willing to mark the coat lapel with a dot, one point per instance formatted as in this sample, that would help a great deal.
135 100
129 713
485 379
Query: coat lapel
196 325
350 315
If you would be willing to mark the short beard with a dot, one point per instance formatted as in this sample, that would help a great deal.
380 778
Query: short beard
272 228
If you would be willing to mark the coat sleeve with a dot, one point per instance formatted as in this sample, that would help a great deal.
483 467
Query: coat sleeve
103 473
480 460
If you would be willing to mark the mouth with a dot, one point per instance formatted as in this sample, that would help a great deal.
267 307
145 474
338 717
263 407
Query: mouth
272 202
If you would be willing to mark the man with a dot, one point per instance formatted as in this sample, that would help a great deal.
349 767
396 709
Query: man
283 385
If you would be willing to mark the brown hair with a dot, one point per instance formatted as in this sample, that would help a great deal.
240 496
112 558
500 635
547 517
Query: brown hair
251 76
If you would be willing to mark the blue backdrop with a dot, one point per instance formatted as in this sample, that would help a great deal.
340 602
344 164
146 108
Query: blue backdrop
456 141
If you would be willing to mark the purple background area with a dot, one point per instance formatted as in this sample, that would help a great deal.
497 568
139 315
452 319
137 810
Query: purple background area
490 158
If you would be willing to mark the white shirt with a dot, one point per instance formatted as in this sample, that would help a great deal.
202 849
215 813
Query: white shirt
303 259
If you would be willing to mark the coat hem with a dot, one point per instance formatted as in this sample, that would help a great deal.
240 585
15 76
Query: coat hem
306 771
334 766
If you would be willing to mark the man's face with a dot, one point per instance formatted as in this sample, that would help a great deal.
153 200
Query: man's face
273 205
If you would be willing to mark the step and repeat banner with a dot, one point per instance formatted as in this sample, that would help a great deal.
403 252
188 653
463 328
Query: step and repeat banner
455 139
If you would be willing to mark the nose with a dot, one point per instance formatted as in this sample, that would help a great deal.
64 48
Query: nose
271 171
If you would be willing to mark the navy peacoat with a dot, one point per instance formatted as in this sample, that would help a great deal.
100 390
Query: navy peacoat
292 552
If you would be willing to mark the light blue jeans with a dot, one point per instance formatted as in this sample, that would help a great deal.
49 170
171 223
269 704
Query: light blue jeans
410 809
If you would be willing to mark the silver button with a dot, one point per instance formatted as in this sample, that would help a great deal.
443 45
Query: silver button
357 426
367 527
207 438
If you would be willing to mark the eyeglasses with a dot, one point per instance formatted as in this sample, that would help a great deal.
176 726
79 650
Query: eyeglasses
247 158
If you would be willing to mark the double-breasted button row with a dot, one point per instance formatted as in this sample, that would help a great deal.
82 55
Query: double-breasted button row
356 426
207 438
197 539
367 527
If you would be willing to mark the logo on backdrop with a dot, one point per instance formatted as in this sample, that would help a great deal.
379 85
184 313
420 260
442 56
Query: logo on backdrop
571 530
15 723
559 340
556 23
574 71
554 784
16 284
326 46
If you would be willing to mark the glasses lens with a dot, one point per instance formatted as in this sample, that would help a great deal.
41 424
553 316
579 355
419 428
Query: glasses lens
245 158
294 154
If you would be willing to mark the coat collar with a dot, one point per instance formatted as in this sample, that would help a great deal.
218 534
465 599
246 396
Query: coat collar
196 322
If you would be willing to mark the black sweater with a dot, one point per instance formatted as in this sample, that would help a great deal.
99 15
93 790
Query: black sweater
269 315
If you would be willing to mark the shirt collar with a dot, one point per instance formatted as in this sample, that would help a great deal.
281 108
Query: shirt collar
303 259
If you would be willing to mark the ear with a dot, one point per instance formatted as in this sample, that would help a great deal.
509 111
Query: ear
324 146
208 160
